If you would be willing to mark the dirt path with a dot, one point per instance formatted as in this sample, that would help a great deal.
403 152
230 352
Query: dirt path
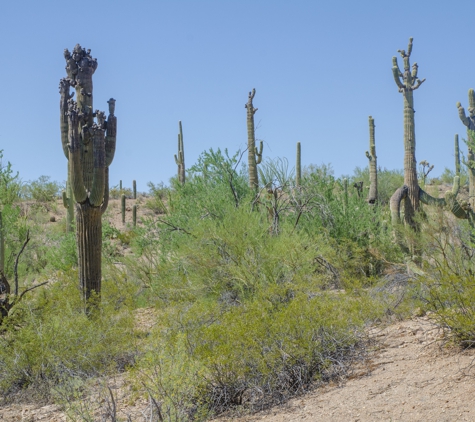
410 378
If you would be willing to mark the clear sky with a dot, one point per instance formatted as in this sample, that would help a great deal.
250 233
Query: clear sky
320 68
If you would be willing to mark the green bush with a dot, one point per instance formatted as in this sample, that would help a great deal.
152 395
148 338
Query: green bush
42 190
49 338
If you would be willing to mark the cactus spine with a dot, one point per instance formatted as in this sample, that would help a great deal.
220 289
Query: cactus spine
122 207
134 189
373 168
407 82
88 141
457 156
298 168
180 157
254 154
469 122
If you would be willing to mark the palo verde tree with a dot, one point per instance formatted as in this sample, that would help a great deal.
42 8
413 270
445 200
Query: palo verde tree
88 141
254 154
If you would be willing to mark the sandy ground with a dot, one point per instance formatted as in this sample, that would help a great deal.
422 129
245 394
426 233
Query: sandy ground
411 376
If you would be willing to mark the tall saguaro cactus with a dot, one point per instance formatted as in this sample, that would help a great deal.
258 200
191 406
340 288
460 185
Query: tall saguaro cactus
88 141
469 122
407 82
254 154
68 203
373 168
298 166
180 157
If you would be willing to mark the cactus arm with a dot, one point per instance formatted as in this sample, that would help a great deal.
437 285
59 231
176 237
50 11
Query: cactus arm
396 75
97 192
65 199
457 155
395 204
105 201
77 183
463 117
259 153
418 83
111 133
65 96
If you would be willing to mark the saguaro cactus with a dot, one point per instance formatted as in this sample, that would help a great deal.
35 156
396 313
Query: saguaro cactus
89 145
298 167
134 189
373 168
122 207
469 122
407 82
134 215
254 154
180 157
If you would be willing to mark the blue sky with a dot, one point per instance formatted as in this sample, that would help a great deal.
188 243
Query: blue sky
319 69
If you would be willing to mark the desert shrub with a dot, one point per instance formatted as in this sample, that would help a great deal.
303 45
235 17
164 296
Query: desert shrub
49 338
388 182
116 193
447 288
41 190
158 198
448 176
256 353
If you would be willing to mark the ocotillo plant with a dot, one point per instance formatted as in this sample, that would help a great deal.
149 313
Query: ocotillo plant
180 157
373 168
122 207
470 162
254 155
457 156
89 145
134 189
68 203
298 168
407 82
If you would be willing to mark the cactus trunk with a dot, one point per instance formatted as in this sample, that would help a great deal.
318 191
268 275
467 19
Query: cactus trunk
457 156
122 206
134 189
134 215
180 157
254 154
373 167
298 168
88 142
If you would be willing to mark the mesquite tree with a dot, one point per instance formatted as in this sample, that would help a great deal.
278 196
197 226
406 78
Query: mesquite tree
254 154
88 141
373 168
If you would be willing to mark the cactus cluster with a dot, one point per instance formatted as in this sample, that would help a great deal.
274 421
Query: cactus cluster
88 140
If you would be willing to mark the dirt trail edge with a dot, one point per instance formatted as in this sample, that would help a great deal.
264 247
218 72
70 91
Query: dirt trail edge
411 377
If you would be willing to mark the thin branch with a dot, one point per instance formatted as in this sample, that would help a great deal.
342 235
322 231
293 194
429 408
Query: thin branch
15 271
